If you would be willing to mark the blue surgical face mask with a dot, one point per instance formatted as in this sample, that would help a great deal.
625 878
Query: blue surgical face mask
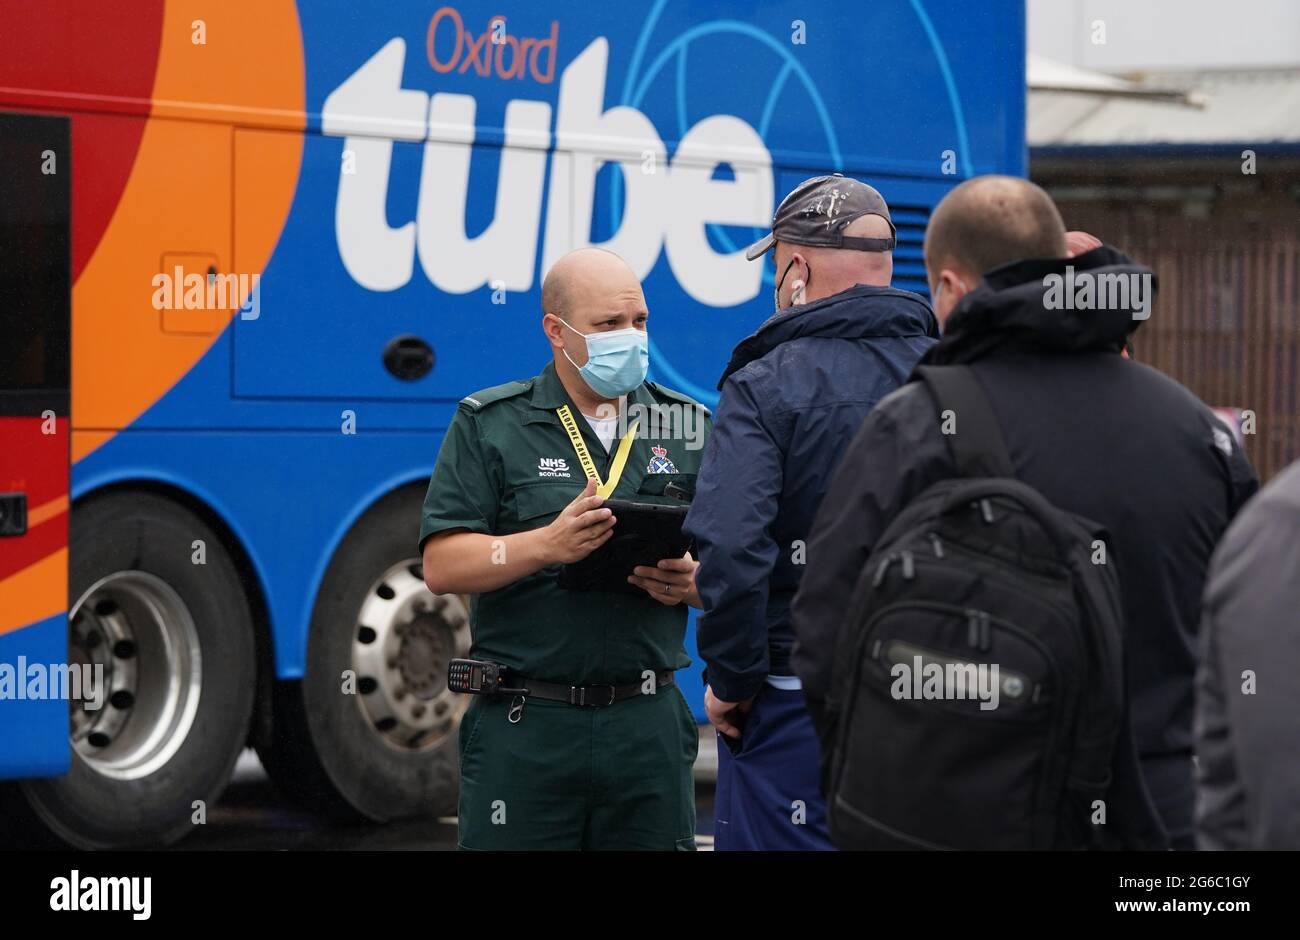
617 361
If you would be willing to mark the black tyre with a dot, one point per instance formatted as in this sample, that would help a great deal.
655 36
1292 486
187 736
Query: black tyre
175 639
382 745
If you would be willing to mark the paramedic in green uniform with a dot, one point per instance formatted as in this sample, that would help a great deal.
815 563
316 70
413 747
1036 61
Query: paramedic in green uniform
604 762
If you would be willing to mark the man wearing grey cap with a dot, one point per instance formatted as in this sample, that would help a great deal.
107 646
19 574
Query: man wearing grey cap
793 395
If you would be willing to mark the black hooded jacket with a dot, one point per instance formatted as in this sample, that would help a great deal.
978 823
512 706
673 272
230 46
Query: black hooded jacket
1097 434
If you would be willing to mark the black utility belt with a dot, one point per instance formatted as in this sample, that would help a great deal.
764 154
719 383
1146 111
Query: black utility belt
477 677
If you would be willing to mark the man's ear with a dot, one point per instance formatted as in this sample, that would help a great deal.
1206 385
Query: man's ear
955 283
552 327
948 282
798 279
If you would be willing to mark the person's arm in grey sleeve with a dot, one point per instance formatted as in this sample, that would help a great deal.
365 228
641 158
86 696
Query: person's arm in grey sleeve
735 503
1248 701
897 453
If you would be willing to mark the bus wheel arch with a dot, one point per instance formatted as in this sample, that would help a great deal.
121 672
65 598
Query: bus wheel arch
369 731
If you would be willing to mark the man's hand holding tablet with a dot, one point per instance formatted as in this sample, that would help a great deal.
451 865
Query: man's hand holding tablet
672 581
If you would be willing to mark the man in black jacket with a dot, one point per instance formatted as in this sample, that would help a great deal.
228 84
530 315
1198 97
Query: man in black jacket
1096 434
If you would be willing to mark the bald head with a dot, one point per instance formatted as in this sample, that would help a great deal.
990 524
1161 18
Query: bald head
818 271
1079 243
592 291
984 223
583 273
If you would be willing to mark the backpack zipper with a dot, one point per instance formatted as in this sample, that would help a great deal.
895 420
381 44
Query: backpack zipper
909 567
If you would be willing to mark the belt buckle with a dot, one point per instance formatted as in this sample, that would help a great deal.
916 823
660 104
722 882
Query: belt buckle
578 695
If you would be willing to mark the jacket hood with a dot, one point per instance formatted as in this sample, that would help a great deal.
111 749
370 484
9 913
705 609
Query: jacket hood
1091 302
861 312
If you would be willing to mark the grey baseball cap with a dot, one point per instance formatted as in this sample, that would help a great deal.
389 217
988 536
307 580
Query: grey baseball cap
817 211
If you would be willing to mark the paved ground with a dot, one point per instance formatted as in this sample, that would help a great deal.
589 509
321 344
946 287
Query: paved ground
254 815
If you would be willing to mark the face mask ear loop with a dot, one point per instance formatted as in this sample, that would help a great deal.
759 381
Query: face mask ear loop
776 291
804 285
565 349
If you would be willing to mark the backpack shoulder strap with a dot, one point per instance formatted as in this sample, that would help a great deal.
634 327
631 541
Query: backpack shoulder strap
977 446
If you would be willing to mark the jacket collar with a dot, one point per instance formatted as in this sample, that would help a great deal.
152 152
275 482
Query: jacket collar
861 312
549 394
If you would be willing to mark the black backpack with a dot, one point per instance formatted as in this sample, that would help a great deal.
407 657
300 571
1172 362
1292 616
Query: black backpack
933 749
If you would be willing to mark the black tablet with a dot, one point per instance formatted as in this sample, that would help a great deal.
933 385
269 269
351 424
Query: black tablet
644 534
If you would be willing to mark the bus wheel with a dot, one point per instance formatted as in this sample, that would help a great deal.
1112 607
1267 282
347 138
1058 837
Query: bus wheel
370 729
165 622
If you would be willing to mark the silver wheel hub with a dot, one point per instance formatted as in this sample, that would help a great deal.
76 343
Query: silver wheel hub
138 639
403 641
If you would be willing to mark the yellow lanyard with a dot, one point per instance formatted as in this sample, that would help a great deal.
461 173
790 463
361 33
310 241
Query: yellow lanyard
588 467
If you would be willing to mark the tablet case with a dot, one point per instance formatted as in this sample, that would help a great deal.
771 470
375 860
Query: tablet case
644 534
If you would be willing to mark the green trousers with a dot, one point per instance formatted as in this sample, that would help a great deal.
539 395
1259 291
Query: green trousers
568 778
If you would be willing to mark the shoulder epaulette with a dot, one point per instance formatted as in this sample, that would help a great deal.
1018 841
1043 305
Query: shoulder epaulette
677 396
481 399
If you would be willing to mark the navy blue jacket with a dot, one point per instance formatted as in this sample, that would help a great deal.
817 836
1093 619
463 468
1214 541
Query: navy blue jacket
793 396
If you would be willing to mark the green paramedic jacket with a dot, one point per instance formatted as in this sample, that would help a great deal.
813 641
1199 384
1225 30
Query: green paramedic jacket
506 466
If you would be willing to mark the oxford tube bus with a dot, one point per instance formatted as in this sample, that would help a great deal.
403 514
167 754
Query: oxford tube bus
252 253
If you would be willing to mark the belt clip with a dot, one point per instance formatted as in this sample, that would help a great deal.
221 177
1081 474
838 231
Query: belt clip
516 713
